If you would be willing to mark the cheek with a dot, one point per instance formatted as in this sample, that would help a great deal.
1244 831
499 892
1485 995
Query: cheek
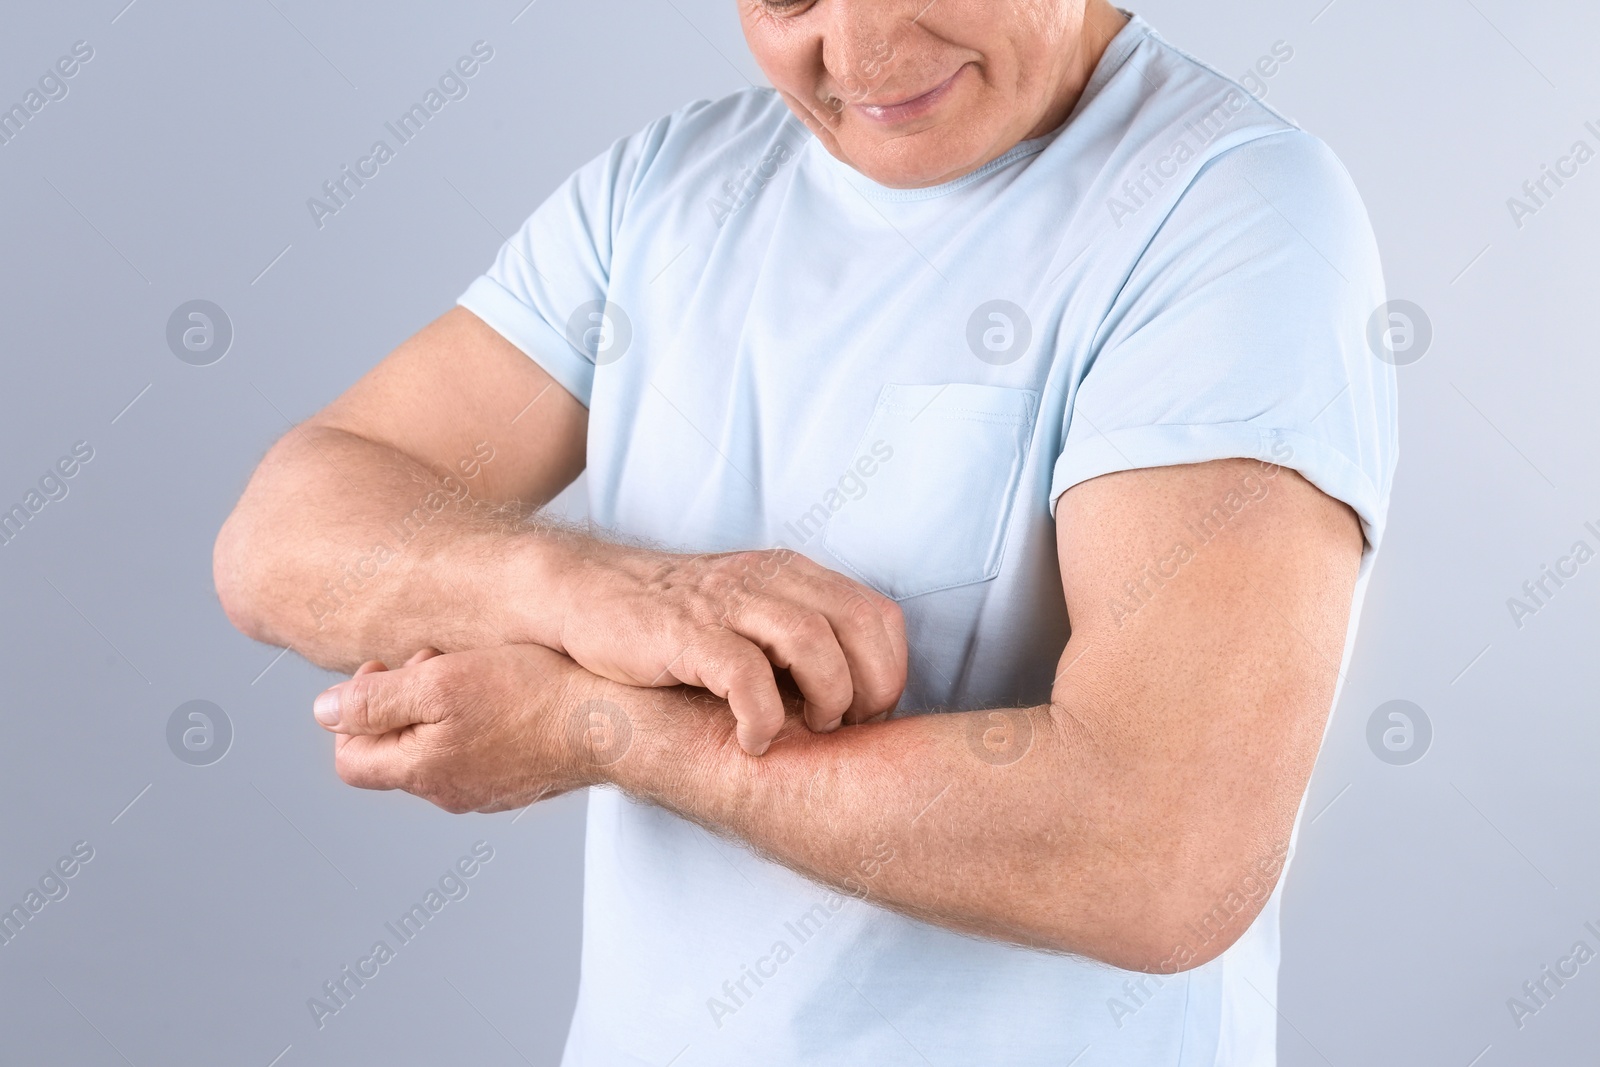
788 50
788 67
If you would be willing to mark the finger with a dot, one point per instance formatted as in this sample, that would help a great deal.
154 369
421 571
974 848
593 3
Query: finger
880 681
422 654
370 666
380 701
739 672
369 762
870 630
802 640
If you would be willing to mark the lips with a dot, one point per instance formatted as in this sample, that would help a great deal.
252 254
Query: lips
911 107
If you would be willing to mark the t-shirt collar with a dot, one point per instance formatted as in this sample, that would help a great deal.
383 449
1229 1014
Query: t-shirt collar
1122 45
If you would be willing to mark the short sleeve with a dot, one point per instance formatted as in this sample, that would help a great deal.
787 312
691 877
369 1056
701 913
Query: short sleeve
1241 332
548 283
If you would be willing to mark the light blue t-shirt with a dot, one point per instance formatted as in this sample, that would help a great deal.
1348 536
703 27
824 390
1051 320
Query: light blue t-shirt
776 350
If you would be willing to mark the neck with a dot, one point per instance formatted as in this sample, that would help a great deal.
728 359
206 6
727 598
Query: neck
1101 22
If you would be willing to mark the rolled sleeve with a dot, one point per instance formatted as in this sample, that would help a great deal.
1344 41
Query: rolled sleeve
558 263
1241 333
1325 467
526 328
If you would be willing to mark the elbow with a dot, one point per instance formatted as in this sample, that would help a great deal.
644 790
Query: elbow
236 584
1173 919
1202 914
250 550
1183 939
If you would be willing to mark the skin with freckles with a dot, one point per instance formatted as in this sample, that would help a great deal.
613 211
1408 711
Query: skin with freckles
859 73
1177 742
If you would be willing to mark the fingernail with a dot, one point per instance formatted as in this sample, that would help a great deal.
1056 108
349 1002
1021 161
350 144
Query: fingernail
326 707
759 749
834 725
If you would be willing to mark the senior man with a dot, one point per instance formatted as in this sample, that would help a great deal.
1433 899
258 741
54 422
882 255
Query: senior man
985 461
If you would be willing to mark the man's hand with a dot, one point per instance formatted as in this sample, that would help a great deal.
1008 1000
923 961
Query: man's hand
483 731
413 491
725 622
1154 792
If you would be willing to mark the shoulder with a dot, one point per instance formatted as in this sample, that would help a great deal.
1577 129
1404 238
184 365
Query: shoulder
1183 143
1289 184
687 153
1246 167
1290 164
708 134
1176 88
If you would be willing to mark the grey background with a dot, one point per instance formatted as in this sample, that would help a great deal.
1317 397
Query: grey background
221 897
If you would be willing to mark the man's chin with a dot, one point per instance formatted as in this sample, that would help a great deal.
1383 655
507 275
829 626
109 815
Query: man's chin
887 164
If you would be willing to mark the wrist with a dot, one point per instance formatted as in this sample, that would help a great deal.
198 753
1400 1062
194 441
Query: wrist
664 743
534 583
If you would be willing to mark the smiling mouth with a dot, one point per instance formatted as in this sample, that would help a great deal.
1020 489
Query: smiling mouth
911 107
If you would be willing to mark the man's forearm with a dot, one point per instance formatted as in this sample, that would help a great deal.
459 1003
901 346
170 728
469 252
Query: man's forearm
349 550
1009 823
1141 817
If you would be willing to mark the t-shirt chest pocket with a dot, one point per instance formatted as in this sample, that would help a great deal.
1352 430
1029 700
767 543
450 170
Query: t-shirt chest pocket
934 515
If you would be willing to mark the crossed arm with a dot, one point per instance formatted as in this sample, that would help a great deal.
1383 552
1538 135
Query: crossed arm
1164 773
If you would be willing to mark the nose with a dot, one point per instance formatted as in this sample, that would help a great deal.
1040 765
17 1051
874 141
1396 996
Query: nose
861 42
